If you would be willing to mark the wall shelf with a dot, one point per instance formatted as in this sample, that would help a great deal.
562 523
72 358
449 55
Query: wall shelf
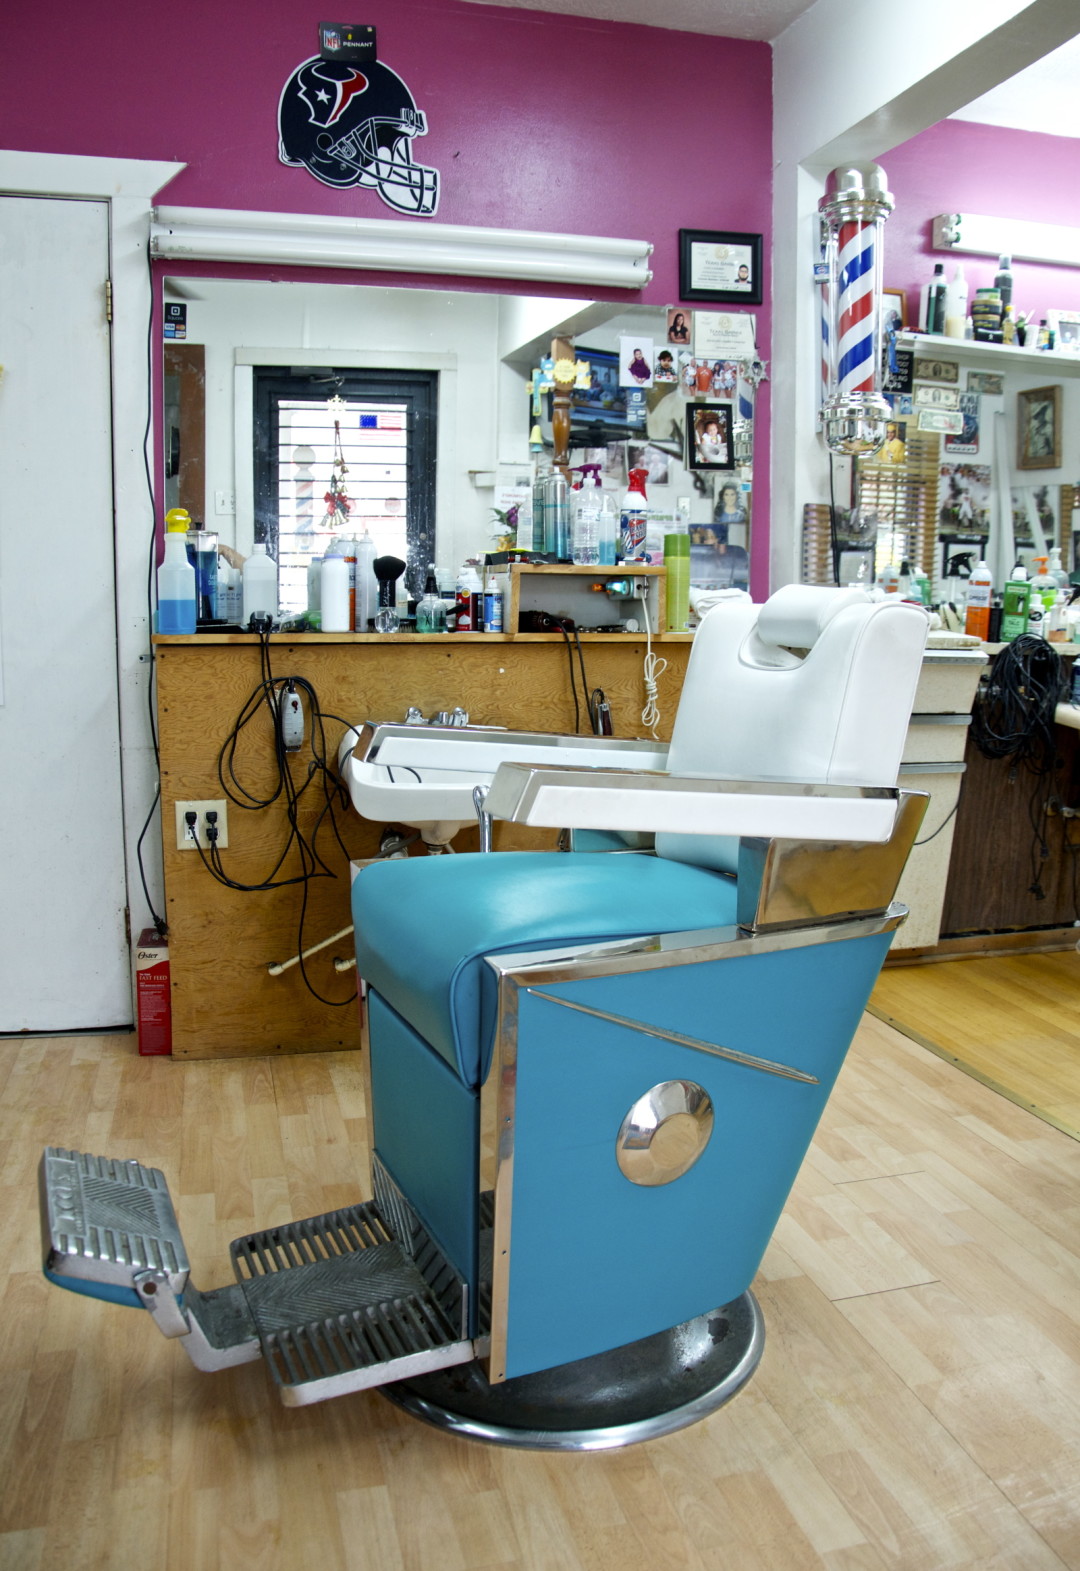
1000 357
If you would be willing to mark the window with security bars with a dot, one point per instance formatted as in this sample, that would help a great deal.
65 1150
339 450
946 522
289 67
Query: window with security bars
338 452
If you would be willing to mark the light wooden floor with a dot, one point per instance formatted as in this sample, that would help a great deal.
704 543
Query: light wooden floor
1013 1021
917 1407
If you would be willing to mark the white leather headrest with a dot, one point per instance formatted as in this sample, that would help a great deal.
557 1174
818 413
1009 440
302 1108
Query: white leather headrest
796 616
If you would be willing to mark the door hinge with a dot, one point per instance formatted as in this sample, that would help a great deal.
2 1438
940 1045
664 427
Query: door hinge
108 300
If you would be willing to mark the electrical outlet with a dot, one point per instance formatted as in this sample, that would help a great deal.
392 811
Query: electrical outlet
185 832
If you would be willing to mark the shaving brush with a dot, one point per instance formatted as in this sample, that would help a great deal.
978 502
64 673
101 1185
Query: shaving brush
387 569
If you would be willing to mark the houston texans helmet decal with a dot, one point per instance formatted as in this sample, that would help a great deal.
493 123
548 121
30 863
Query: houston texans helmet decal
353 126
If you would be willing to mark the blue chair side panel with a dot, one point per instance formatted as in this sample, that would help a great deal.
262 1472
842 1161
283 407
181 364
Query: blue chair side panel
425 1132
597 1261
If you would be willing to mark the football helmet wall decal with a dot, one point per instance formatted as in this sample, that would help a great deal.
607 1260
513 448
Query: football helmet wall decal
353 126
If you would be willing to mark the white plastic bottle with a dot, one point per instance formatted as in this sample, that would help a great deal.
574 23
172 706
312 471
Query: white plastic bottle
1036 621
493 606
176 577
956 305
260 586
334 584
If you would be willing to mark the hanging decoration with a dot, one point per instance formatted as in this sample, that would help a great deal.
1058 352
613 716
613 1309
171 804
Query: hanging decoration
350 121
338 503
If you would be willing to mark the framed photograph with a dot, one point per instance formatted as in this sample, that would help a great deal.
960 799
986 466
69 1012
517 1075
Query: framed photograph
680 326
1038 426
1066 328
716 264
893 311
709 437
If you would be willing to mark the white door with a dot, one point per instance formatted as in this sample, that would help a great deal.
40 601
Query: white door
63 942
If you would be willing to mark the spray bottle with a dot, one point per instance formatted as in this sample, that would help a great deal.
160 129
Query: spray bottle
977 616
367 589
176 577
594 525
635 516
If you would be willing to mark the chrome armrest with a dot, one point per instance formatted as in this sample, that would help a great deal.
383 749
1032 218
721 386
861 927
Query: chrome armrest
560 796
479 750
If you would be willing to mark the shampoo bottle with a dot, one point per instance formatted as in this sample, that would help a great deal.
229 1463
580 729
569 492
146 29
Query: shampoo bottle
493 606
334 580
176 577
977 616
935 300
635 516
956 304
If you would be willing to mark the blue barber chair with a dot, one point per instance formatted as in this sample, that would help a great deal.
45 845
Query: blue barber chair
593 1074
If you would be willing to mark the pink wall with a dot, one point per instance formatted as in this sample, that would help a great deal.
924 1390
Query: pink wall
959 166
536 121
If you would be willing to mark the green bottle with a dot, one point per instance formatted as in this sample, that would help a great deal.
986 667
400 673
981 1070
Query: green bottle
1016 597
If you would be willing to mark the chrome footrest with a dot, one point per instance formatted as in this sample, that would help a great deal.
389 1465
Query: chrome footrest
339 1306
108 1221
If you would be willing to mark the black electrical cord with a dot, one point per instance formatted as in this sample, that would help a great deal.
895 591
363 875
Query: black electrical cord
159 921
268 696
1013 718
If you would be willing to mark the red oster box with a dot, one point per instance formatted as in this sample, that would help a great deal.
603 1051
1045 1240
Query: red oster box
152 993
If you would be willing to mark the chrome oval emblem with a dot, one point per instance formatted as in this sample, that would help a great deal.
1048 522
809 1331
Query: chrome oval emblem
664 1132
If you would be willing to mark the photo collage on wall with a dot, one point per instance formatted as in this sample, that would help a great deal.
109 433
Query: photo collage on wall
698 385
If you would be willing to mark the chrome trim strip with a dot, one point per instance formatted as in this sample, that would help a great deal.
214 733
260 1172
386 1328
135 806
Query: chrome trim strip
956 767
940 719
729 1053
505 1090
692 947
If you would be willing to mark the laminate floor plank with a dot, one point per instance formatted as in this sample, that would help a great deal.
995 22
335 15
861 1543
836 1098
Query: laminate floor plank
917 1407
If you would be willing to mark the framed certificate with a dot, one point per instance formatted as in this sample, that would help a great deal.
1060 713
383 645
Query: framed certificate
719 265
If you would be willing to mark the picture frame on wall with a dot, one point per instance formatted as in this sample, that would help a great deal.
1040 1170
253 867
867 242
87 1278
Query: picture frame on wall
893 311
1065 326
720 265
1038 426
710 437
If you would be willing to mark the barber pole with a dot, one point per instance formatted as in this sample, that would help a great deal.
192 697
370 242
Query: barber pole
852 217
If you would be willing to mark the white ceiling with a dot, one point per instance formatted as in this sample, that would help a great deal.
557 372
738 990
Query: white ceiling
1042 98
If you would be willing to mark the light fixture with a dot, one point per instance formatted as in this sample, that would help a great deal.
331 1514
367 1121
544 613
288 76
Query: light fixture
1013 237
210 234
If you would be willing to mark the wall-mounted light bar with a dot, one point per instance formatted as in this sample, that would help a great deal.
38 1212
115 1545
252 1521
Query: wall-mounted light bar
1013 237
210 234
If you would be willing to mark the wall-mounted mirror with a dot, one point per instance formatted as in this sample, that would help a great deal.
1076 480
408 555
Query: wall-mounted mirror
302 382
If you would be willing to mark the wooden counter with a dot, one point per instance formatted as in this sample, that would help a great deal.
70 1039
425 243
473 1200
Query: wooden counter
224 1002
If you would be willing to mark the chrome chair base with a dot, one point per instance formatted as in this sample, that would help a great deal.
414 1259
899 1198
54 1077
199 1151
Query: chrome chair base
635 1393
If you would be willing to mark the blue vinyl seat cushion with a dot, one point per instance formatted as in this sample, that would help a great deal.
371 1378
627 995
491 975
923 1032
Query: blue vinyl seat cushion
424 924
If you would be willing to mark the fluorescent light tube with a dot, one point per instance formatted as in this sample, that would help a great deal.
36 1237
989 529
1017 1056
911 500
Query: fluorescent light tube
312 240
1013 237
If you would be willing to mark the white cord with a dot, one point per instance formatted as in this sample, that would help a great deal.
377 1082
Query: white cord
655 666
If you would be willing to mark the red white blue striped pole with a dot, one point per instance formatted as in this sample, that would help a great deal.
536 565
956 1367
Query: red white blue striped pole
853 212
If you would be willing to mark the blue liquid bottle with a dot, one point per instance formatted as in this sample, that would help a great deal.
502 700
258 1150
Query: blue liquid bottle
176 577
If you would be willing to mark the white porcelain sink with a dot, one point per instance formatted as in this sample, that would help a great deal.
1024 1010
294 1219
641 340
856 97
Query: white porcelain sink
424 775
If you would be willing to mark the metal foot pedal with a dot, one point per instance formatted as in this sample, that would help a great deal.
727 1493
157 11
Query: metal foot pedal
109 1224
339 1306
